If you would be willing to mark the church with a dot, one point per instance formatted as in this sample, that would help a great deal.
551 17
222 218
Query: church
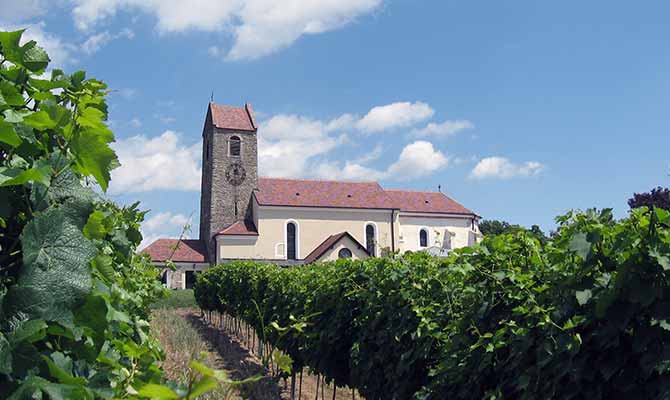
299 221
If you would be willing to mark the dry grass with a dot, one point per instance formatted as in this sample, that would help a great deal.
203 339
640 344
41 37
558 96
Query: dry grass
183 343
184 336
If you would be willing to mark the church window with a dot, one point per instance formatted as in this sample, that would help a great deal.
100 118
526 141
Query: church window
291 239
234 146
371 239
423 237
344 253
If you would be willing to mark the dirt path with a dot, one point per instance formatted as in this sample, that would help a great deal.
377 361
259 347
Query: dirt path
234 357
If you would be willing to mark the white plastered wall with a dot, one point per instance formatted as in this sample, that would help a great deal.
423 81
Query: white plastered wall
314 226
443 231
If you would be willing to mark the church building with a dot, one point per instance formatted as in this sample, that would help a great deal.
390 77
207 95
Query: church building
299 221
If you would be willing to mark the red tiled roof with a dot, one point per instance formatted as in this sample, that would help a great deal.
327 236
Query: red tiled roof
237 118
338 194
327 244
185 250
318 193
430 202
240 228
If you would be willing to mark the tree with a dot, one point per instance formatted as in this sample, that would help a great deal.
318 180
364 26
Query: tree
496 227
659 197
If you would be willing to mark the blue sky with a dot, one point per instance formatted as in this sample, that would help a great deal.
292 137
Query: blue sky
519 110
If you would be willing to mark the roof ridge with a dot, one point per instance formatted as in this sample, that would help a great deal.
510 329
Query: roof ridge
317 180
414 191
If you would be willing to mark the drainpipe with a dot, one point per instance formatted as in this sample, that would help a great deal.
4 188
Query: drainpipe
392 231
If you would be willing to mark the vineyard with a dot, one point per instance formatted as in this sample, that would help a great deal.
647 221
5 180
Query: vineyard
587 315
74 296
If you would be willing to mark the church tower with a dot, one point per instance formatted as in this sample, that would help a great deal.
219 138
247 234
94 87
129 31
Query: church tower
229 170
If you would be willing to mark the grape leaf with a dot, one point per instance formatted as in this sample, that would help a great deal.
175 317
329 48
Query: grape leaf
94 156
8 134
56 272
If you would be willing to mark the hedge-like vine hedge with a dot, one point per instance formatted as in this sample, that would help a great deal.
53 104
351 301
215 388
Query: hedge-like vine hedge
585 316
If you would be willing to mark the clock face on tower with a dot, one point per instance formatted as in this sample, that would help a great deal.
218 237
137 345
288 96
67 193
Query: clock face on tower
235 174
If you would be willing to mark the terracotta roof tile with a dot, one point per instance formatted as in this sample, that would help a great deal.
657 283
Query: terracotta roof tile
187 250
327 244
236 118
320 193
246 228
430 202
339 194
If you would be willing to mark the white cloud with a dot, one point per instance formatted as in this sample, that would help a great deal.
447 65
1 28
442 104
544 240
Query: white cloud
268 25
394 115
60 53
162 225
350 171
135 123
287 143
259 27
416 160
444 129
502 168
97 41
158 163
21 10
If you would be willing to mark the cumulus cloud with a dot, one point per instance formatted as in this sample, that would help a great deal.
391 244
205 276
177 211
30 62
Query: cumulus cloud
158 163
394 115
97 41
444 129
503 168
259 27
287 143
416 160
162 225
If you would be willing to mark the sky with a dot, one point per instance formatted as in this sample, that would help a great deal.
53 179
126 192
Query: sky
519 110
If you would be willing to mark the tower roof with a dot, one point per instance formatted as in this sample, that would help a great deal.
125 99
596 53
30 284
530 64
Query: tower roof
235 118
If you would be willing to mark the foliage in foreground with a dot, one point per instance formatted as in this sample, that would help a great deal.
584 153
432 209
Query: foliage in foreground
74 296
587 316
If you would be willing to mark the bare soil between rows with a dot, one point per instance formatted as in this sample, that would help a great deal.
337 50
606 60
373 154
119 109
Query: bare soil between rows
230 354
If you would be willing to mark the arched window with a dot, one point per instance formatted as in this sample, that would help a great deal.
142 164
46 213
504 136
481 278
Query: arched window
291 236
344 253
234 146
423 237
371 239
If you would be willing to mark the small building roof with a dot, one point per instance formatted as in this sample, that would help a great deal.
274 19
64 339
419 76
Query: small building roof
246 228
320 193
235 118
184 250
429 202
330 241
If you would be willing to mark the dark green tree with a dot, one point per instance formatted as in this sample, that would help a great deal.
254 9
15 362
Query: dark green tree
658 197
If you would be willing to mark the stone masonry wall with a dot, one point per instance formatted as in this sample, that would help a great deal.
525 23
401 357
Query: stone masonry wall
217 198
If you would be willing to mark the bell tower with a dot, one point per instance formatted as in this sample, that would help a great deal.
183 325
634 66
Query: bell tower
229 170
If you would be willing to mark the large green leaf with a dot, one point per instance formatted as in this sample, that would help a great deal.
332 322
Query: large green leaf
56 273
10 95
31 56
94 156
5 355
8 134
18 176
157 392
